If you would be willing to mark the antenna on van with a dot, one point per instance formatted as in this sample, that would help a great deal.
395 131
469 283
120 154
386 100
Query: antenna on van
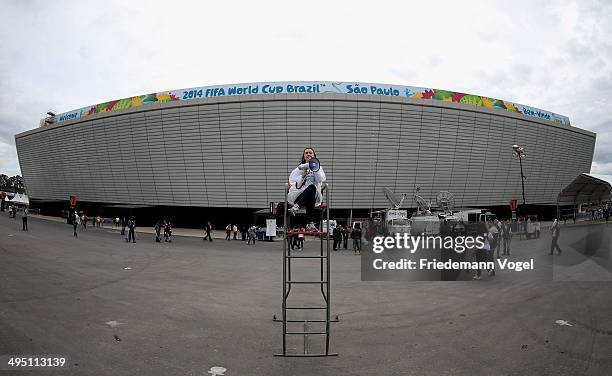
422 204
446 201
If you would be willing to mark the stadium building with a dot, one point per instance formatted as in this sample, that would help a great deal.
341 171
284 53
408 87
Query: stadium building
229 149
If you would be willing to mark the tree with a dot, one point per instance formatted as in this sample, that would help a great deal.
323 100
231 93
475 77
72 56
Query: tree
15 184
4 181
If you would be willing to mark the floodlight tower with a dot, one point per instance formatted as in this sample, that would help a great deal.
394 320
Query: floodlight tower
519 153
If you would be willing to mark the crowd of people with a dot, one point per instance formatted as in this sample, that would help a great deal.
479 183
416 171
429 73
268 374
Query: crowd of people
496 234
247 233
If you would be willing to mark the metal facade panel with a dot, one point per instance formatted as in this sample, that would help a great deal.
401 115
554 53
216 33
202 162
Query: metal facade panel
239 154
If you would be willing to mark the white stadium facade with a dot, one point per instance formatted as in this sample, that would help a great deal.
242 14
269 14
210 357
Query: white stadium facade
228 149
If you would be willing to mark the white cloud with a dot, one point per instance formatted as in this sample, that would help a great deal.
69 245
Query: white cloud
66 55
604 168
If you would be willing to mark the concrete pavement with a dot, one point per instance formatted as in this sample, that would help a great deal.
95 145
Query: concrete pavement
181 308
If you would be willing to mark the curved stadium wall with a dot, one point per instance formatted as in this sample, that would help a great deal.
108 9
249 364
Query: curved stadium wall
237 151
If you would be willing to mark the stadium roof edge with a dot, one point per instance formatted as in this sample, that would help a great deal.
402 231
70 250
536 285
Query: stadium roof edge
310 87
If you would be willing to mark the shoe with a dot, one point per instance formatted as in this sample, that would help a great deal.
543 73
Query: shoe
294 209
477 277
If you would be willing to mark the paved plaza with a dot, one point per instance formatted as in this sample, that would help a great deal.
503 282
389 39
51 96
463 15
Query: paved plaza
180 308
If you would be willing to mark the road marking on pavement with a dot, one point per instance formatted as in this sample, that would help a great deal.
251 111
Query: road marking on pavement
114 324
217 371
563 323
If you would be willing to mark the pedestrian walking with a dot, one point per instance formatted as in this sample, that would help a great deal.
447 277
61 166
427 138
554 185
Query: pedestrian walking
496 230
167 231
208 229
507 236
301 235
482 252
337 236
24 219
252 234
131 224
75 223
235 230
228 231
356 236
295 239
555 232
157 228
492 241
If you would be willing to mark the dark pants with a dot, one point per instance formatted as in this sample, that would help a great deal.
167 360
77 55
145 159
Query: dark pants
307 199
507 246
208 236
227 235
357 244
555 245
74 225
251 238
497 244
490 256
480 257
235 234
131 235
337 243
25 224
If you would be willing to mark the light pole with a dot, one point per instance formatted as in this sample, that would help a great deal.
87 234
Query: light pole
519 153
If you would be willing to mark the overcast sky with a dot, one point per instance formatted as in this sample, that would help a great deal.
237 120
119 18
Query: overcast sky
63 55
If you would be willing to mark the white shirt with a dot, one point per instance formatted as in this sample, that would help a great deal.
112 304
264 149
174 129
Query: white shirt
299 183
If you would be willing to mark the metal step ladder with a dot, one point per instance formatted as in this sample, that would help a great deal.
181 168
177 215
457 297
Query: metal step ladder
323 282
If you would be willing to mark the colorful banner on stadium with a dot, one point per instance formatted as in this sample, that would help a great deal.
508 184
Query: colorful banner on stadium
315 87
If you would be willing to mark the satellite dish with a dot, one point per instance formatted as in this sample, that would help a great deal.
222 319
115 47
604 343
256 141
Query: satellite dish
423 205
395 201
446 201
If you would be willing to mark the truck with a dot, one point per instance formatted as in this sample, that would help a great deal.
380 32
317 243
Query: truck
475 215
396 221
469 221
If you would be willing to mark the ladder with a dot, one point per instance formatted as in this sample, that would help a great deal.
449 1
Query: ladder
323 282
